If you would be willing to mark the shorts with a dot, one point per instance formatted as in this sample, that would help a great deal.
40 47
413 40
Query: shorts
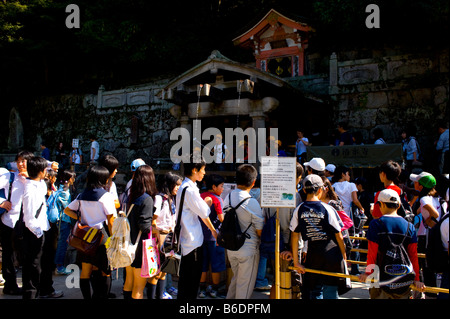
214 255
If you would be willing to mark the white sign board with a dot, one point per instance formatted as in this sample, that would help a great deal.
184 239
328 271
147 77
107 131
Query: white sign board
227 188
278 175
75 142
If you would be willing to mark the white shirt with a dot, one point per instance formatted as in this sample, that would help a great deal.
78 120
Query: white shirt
95 146
444 233
433 201
219 150
191 234
93 213
165 220
344 190
10 217
249 212
33 200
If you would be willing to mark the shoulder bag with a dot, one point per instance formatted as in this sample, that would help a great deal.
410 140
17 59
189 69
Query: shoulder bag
84 238
170 249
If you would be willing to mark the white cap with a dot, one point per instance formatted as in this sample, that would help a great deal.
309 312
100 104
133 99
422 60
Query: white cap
316 163
389 196
330 168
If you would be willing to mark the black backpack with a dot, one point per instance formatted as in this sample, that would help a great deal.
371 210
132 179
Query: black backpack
436 255
405 210
230 235
396 270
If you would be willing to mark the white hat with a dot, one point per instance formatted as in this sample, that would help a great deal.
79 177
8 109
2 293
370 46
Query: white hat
330 168
316 163
312 181
389 196
136 163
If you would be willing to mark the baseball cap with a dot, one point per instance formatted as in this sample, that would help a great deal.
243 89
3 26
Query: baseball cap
312 181
316 163
389 196
136 163
425 179
330 168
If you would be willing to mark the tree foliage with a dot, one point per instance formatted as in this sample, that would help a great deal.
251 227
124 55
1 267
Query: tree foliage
127 41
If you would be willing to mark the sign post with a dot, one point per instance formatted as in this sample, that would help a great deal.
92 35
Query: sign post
278 175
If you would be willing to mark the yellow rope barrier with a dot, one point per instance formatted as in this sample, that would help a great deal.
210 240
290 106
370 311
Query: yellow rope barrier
355 278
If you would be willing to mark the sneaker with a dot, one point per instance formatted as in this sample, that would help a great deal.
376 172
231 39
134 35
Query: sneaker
202 294
62 271
213 293
13 292
54 294
264 288
173 291
167 296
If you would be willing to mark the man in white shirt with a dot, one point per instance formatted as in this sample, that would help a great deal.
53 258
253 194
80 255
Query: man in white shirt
221 153
95 150
191 234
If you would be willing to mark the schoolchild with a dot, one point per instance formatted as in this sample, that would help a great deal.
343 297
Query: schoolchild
390 227
430 210
96 206
65 222
389 173
244 262
49 249
142 192
346 190
111 163
9 218
36 224
164 222
213 254
319 224
191 234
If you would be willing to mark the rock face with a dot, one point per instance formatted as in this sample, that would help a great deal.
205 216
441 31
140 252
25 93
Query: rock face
126 123
391 93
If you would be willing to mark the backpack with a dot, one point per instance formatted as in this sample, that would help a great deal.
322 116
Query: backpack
52 207
268 236
2 191
396 270
123 198
436 255
405 210
119 249
230 234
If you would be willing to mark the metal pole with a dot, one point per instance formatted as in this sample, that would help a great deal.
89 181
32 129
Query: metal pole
277 257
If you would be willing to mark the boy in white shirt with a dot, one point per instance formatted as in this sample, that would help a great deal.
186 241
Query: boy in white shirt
36 223
191 234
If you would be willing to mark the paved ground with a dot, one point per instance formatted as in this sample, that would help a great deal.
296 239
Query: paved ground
64 283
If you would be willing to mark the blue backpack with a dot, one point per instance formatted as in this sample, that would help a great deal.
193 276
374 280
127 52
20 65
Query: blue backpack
2 191
52 207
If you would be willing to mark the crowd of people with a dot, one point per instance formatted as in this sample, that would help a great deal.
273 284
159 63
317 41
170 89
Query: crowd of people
332 206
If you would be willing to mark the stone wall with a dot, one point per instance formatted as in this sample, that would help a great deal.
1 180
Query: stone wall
128 123
392 92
